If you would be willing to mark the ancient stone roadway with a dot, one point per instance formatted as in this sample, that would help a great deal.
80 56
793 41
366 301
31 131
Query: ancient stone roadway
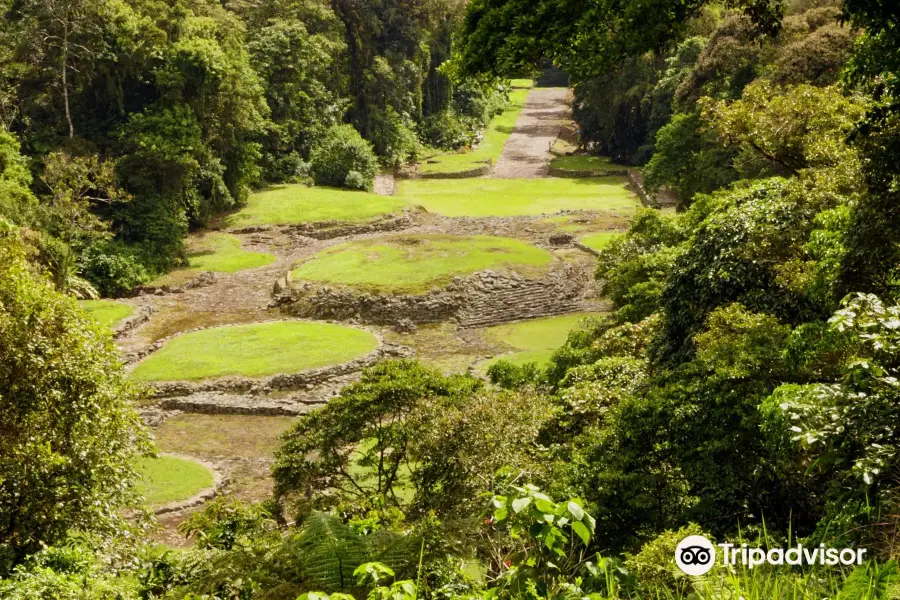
527 151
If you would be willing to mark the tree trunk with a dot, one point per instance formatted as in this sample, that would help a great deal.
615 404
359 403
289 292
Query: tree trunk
65 84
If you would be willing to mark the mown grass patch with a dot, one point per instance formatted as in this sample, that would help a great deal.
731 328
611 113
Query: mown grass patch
217 252
524 84
584 163
491 145
170 479
416 263
107 312
254 350
527 197
536 340
599 241
292 204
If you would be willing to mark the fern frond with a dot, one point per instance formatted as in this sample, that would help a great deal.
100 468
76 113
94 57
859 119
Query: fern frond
327 552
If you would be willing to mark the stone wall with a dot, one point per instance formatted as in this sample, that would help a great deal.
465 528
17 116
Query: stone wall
335 229
486 298
134 321
558 172
484 170
203 279
637 180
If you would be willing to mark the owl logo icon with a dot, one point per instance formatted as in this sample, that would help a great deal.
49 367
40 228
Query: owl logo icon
695 555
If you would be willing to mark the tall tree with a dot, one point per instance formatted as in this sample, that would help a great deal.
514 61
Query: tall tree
69 434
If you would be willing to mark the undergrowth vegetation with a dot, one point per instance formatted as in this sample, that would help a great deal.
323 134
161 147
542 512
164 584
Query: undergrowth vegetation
743 388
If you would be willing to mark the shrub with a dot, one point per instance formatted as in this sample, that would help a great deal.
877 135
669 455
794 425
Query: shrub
343 150
512 376
355 181
70 434
113 269
655 567
449 131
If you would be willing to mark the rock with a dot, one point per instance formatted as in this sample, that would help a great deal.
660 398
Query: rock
405 326
561 239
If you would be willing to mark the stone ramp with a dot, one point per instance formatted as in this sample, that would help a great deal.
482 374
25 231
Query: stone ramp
531 300
526 153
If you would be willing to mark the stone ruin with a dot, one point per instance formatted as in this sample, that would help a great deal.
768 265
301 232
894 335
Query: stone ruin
480 300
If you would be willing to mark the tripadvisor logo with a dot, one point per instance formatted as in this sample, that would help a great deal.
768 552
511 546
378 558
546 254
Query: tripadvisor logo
696 555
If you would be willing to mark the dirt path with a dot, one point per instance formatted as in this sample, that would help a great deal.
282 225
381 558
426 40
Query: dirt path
527 151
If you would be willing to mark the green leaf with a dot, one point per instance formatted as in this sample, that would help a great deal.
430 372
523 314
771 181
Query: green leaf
576 511
519 504
582 532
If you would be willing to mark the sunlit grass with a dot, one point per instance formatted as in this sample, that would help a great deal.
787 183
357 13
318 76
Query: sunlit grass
169 479
491 145
599 241
415 263
254 350
584 163
509 197
296 203
536 340
107 312
217 252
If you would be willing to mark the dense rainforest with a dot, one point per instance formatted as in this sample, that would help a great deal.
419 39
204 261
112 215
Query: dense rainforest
127 124
744 387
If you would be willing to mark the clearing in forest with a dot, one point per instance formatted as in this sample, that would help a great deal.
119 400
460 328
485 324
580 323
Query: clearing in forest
255 350
170 479
513 197
217 252
416 263
107 312
295 203
491 146
536 340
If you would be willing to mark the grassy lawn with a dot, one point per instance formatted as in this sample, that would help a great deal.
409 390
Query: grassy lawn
583 163
254 350
218 252
535 340
168 479
296 203
599 241
491 145
107 312
252 439
416 263
526 84
510 197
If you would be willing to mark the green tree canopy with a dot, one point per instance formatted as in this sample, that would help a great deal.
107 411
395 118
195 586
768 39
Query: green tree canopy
68 431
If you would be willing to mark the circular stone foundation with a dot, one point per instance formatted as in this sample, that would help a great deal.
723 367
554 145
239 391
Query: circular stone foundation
255 350
414 264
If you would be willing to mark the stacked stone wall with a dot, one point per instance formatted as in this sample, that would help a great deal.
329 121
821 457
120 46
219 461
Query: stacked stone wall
483 299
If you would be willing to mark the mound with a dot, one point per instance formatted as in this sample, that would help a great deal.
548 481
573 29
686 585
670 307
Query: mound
413 264
295 204
171 479
255 350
